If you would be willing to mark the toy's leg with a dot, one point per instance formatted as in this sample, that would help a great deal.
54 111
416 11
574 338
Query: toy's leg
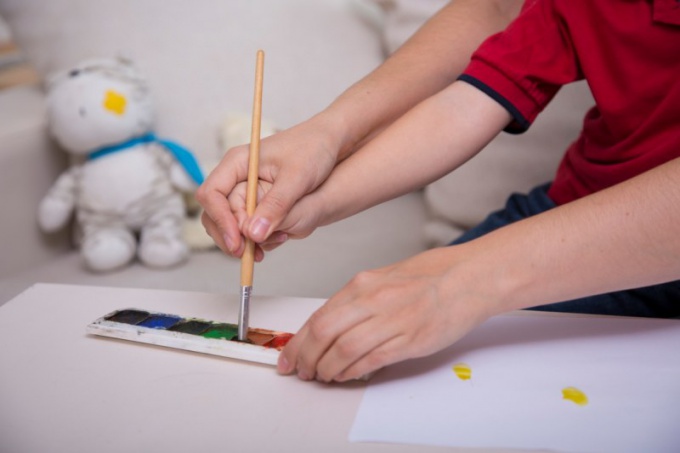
107 248
160 242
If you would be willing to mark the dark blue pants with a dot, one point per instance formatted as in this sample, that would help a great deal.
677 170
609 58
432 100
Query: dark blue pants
658 301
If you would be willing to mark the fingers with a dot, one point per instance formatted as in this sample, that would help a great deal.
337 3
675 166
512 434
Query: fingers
237 202
383 355
299 160
345 348
273 208
223 228
232 218
291 166
406 310
275 240
218 217
362 349
343 340
316 336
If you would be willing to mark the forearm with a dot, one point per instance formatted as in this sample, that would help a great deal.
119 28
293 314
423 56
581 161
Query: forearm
424 65
620 238
431 140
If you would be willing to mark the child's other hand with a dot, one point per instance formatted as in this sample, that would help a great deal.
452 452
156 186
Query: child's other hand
406 310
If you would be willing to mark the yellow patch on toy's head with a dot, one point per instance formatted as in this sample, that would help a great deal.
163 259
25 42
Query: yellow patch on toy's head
114 102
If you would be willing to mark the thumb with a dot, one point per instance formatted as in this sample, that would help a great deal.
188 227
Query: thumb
269 213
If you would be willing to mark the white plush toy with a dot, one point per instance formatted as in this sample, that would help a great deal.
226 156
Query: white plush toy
126 190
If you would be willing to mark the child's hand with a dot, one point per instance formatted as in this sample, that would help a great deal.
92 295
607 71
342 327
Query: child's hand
299 223
293 163
237 204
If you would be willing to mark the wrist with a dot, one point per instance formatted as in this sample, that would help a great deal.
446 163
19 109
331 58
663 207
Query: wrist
478 276
362 111
508 266
321 204
334 124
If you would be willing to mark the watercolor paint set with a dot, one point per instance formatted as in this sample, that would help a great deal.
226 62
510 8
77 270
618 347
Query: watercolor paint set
191 334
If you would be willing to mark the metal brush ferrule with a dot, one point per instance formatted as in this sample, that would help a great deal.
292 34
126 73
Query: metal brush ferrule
244 312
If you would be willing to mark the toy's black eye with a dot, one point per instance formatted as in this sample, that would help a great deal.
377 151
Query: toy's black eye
74 73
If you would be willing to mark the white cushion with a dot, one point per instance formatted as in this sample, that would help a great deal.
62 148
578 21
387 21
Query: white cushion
29 164
510 163
405 17
5 34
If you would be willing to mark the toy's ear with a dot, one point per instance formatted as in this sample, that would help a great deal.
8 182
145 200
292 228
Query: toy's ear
119 63
124 59
120 66
123 66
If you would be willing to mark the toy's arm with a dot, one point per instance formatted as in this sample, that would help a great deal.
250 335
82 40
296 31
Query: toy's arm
55 209
178 175
180 179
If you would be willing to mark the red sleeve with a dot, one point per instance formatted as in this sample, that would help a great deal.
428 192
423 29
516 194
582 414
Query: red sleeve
524 66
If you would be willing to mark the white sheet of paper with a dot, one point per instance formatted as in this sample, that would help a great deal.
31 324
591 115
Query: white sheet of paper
628 368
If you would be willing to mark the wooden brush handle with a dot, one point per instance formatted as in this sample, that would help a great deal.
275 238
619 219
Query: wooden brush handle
248 258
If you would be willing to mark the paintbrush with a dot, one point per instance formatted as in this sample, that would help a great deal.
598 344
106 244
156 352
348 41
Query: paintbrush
248 257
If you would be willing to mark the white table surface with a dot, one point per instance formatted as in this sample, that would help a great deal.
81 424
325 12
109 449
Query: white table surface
64 391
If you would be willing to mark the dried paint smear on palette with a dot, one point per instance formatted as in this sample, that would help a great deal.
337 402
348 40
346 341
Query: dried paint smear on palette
192 334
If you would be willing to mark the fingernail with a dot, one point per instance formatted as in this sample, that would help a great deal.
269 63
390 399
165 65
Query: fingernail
283 365
259 229
280 238
229 243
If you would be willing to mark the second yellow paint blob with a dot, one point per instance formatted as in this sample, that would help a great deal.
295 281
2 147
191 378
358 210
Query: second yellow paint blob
575 395
463 371
115 102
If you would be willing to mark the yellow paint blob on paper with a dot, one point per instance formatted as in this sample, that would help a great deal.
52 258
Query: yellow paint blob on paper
463 371
115 102
575 395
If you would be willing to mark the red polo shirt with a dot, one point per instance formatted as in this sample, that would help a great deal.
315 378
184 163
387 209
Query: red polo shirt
627 50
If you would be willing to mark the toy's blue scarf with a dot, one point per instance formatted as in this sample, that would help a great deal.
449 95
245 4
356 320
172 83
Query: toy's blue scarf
183 155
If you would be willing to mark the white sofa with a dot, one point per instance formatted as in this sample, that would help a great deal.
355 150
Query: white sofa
199 57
